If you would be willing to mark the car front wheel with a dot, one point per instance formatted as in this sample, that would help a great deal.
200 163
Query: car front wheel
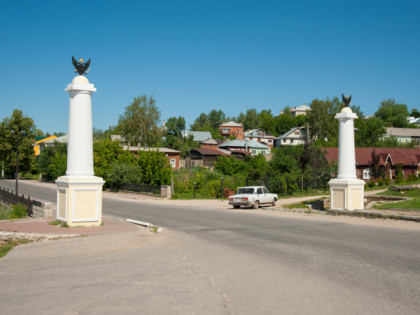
274 202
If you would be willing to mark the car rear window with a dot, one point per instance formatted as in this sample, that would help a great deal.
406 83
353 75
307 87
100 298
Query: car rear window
245 190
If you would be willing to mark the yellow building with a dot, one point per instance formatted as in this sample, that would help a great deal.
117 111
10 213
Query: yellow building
37 147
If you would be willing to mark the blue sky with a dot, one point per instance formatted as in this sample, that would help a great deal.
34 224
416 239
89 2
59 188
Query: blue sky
195 56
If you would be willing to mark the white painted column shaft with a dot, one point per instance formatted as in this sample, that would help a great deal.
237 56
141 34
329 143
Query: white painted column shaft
346 151
80 150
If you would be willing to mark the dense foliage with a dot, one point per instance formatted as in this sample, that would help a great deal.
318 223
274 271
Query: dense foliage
17 133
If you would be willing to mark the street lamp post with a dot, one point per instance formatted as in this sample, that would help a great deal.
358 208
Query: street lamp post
19 133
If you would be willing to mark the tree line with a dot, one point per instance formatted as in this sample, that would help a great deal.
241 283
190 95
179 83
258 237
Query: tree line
291 168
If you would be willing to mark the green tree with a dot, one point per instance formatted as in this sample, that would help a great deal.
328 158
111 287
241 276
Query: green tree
251 119
284 122
201 123
174 126
266 121
320 118
216 118
52 161
369 131
106 153
155 167
122 173
139 124
415 113
284 169
17 132
393 114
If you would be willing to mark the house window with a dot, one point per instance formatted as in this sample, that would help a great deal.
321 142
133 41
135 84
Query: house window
284 140
297 133
366 173
173 163
254 152
263 152
269 140
291 140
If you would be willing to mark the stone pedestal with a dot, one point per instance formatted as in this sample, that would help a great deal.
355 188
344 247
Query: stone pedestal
79 193
346 191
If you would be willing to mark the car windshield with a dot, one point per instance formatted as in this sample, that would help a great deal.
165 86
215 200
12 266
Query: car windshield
245 191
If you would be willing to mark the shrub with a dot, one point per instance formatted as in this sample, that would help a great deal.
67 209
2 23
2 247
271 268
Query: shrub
412 178
387 180
371 184
18 211
380 182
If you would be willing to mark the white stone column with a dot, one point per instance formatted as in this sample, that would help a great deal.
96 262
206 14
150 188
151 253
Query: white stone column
79 193
80 146
346 191
346 151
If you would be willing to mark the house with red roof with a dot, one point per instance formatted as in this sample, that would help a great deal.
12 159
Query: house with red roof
387 158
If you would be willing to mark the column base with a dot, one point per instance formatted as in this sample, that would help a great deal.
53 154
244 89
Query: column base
79 200
347 194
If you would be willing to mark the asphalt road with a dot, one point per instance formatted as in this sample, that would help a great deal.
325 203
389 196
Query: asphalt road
265 264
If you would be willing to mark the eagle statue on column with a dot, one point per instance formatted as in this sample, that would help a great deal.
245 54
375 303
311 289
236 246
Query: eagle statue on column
81 67
346 100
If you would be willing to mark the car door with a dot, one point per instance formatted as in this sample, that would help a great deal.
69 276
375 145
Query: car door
266 195
260 195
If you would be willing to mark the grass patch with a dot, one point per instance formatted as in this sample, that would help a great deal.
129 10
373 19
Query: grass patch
14 212
413 204
9 245
58 222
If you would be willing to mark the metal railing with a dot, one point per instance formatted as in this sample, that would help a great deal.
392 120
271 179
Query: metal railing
9 197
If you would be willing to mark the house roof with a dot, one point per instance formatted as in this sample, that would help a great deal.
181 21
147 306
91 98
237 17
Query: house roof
62 139
231 124
241 144
301 108
198 136
403 132
287 134
210 141
45 139
163 150
258 133
207 151
364 155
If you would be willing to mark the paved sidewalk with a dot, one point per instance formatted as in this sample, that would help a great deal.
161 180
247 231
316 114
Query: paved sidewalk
42 226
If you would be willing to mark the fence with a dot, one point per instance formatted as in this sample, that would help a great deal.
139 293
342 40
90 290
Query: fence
9 197
142 188
187 163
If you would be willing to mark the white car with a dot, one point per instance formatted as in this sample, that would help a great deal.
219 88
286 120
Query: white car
252 196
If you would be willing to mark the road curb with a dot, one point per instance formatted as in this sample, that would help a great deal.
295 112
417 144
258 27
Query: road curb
373 215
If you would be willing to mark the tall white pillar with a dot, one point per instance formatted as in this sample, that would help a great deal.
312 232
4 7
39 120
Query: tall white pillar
346 191
79 193
80 146
346 151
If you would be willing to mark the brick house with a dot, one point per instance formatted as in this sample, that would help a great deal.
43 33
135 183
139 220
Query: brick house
388 160
232 128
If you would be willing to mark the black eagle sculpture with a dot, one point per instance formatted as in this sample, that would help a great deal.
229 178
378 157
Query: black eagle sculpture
81 67
346 100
